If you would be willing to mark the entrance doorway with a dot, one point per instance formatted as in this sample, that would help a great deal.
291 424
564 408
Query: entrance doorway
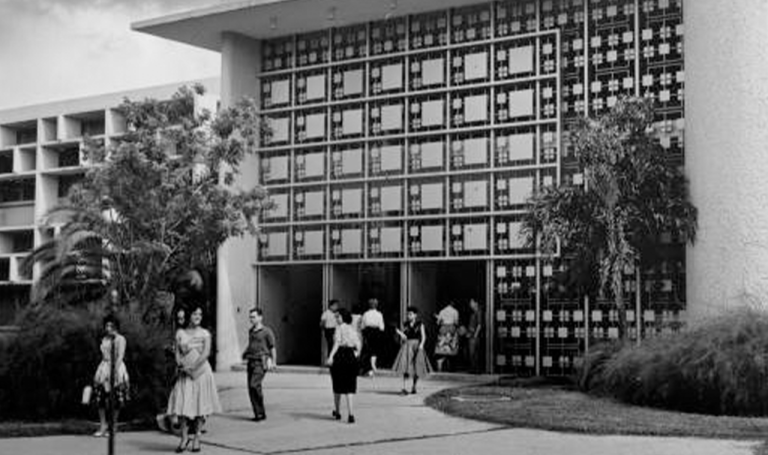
292 298
433 285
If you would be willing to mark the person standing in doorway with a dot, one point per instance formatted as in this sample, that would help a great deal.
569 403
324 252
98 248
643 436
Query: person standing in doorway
329 322
447 346
474 335
261 356
372 325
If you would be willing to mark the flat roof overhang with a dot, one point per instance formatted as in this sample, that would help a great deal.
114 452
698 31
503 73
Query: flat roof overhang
265 19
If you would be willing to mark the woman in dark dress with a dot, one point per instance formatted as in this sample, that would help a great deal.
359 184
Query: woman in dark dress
344 364
411 361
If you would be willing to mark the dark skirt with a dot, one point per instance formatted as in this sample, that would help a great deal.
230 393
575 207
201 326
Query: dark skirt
344 371
372 341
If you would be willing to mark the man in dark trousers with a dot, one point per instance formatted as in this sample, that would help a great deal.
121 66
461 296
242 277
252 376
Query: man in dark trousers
262 357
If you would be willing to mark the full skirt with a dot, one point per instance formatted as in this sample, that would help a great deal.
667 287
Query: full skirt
411 360
194 397
344 371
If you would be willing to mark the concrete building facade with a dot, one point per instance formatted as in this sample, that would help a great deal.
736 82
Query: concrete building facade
40 159
406 136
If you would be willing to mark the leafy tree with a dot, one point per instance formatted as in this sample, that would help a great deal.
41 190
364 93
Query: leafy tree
152 205
632 195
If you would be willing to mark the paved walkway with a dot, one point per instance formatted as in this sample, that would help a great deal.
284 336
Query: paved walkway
299 405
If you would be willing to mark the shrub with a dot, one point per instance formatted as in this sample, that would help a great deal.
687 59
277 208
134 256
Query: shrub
55 354
717 367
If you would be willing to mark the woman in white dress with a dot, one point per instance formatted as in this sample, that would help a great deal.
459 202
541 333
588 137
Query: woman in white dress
194 394
111 343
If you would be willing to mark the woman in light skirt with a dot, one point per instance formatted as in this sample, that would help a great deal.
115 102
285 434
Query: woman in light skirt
412 361
194 394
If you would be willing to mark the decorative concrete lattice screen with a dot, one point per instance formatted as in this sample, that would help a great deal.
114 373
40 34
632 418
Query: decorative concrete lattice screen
420 138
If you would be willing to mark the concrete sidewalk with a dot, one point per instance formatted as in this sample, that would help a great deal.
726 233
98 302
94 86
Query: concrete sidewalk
299 421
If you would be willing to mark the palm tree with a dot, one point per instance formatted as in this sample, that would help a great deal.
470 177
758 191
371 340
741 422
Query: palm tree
632 194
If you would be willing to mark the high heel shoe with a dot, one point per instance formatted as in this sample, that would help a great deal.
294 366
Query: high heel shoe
195 445
351 419
182 446
336 415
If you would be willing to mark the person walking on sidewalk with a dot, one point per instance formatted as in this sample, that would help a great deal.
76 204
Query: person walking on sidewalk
261 356
328 322
343 363
372 325
412 361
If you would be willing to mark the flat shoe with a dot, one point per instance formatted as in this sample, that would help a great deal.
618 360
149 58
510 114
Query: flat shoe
336 415
351 419
100 434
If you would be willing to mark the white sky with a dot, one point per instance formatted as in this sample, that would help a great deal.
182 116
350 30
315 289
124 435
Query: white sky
59 49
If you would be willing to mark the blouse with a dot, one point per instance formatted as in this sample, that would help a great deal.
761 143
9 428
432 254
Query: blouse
412 332
346 336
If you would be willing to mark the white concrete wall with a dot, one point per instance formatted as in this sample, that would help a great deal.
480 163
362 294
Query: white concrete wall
236 289
726 115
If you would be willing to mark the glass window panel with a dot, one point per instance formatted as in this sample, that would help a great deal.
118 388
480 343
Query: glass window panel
352 161
316 87
475 237
391 240
352 121
476 193
392 117
351 201
279 127
277 244
314 242
475 66
281 92
476 150
432 154
520 59
280 207
431 238
350 241
432 113
392 77
314 203
314 164
315 125
432 196
515 239
432 72
391 198
278 168
520 189
476 108
391 158
521 103
353 82
520 146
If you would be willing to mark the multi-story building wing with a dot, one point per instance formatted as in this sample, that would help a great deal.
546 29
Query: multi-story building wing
40 159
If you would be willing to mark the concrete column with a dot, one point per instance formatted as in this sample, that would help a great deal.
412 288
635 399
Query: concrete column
726 116
236 276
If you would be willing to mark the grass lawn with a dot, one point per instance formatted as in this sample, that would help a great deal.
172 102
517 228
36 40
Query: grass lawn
559 408
21 429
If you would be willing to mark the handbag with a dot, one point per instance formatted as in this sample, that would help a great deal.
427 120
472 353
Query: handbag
87 392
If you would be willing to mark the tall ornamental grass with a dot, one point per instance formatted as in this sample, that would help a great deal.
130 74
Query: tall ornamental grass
716 367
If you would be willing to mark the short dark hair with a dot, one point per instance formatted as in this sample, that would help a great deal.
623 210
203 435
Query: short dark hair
412 309
257 310
333 302
111 318
346 316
